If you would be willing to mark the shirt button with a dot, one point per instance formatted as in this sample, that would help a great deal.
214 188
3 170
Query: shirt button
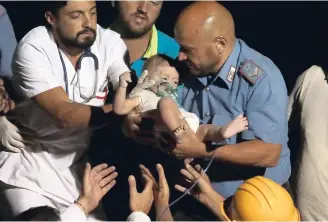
207 114
207 89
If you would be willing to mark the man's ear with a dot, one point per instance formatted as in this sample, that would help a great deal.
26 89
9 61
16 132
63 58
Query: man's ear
220 44
50 18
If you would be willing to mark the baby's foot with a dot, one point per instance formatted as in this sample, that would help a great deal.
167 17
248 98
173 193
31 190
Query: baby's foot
239 124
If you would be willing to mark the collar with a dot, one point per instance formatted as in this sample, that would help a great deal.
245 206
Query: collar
153 44
227 71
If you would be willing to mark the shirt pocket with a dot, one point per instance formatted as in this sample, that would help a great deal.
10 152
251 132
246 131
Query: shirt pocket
221 120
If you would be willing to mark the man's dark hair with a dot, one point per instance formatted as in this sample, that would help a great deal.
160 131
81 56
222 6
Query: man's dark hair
53 7
43 213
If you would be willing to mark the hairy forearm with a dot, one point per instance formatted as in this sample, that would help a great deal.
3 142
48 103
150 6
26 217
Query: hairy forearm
82 116
253 153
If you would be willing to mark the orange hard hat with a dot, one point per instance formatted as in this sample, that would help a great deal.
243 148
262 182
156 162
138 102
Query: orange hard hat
260 198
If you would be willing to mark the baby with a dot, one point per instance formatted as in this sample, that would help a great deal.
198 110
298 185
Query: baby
156 94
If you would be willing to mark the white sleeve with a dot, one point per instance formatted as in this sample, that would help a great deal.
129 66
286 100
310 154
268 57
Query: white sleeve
120 63
138 216
73 213
32 72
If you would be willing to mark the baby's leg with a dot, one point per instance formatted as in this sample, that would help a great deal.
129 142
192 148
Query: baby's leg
219 133
171 116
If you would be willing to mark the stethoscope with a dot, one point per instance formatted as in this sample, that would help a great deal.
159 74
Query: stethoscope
87 53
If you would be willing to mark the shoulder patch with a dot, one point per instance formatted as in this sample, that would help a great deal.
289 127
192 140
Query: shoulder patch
251 71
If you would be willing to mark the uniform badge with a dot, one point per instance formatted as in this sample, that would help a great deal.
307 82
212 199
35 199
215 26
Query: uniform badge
231 73
251 71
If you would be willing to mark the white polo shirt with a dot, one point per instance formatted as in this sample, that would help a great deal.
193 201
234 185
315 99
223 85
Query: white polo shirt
308 110
50 166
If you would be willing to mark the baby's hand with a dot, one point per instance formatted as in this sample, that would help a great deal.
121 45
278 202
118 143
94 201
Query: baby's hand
125 79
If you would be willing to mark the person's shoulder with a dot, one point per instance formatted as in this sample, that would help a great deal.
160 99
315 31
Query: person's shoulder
167 44
256 66
37 37
314 74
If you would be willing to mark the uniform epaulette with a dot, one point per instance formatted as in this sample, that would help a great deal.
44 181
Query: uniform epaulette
251 71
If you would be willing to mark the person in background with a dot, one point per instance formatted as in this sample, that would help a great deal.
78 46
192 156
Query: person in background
307 113
227 77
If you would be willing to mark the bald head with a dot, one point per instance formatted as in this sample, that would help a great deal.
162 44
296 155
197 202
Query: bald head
208 18
205 29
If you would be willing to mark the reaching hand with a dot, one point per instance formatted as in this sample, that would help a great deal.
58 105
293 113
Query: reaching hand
161 188
96 183
141 201
203 189
125 79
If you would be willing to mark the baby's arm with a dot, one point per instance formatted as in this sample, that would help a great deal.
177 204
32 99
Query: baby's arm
122 105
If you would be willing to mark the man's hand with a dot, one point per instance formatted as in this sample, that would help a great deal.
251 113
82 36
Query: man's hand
203 190
138 128
6 104
141 201
96 183
125 79
189 145
11 139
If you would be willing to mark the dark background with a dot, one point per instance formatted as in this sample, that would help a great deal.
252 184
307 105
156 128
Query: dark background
292 34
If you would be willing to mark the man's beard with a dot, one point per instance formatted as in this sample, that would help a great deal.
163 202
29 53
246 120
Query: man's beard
75 43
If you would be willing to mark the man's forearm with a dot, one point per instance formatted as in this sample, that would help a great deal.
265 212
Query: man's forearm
82 116
252 153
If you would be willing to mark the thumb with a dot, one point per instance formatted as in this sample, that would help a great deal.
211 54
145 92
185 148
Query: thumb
86 175
132 185
144 74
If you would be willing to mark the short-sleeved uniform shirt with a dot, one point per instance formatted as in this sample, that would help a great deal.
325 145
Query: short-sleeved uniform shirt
48 167
248 83
307 111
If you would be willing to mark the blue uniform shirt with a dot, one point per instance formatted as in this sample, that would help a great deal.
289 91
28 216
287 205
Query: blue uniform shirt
248 83
160 43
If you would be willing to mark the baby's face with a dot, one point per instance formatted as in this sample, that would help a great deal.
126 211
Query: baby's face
167 75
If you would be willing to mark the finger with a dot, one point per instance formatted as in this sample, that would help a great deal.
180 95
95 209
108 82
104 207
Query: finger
188 160
161 174
132 185
2 106
17 144
180 188
105 172
198 168
187 174
106 180
11 105
86 175
108 187
146 171
13 149
6 109
149 183
98 168
192 171
143 76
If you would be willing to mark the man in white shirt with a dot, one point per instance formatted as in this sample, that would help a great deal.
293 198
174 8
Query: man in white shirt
308 120
61 105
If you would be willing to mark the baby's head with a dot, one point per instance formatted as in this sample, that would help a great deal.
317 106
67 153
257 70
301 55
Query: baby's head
163 70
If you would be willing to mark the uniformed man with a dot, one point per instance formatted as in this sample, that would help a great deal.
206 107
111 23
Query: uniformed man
228 78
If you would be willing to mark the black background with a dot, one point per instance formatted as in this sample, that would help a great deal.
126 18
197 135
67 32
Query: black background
292 34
